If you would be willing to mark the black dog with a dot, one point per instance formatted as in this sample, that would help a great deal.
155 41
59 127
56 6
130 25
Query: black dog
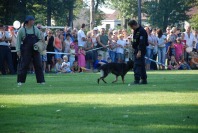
118 69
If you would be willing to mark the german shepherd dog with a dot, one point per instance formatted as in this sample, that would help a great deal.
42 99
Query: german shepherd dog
118 69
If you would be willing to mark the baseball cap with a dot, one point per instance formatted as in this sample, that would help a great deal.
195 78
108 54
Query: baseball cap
95 28
29 17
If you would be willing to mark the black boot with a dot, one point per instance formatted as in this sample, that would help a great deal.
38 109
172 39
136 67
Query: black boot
143 82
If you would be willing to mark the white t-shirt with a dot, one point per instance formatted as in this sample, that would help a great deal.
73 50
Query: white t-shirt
81 34
151 39
7 35
161 41
66 66
120 49
189 40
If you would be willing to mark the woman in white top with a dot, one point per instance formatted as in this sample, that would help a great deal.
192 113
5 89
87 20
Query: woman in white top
127 38
155 50
94 41
161 43
149 49
13 47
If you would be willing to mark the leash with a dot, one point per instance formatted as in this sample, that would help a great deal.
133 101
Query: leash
155 61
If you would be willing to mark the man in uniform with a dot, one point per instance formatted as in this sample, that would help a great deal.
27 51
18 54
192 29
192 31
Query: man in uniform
140 41
28 35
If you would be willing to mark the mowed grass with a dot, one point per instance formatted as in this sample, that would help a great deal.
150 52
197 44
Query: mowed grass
75 103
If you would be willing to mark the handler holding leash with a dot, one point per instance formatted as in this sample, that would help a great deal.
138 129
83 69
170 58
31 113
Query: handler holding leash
140 41
27 37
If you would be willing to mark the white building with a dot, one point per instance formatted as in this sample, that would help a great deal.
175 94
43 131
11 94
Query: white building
110 21
107 24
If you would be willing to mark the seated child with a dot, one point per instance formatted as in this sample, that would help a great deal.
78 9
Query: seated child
75 68
65 65
183 64
58 65
194 60
173 65
99 62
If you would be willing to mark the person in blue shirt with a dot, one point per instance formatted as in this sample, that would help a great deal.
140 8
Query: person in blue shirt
99 62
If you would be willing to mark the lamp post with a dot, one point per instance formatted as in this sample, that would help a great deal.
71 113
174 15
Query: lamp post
139 12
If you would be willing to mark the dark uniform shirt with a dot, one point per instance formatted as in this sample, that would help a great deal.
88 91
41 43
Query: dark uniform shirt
140 40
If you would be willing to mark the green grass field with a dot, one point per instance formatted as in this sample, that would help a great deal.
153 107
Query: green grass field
75 103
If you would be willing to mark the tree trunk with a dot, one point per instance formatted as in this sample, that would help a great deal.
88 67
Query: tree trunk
92 14
49 12
70 21
165 22
23 10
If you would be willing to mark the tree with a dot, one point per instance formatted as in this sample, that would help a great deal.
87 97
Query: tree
194 22
127 8
10 11
162 13
62 11
94 12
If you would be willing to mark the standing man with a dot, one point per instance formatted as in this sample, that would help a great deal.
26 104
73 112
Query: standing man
28 35
81 36
140 42
102 40
190 40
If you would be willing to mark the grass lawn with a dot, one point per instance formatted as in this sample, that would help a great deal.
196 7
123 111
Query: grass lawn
75 103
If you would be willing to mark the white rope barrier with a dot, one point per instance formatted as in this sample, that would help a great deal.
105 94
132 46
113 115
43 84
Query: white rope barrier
97 49
155 61
67 53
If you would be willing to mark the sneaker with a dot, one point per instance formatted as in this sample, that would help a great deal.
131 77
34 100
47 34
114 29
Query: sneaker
42 83
135 83
19 84
143 82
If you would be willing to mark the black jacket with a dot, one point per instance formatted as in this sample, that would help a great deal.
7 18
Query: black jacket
140 40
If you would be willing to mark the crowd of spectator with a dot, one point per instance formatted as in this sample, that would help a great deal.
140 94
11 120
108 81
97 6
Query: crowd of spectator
71 50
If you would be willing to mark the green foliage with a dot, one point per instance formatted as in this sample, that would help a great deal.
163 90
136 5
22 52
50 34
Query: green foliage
75 103
194 21
59 10
100 15
167 12
127 8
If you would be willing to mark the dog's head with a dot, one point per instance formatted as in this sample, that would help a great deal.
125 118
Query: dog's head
130 64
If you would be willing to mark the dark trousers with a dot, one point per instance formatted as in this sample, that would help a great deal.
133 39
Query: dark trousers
14 59
6 56
139 68
28 55
153 64
49 58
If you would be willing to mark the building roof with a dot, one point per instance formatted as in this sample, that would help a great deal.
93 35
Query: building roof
112 16
192 11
